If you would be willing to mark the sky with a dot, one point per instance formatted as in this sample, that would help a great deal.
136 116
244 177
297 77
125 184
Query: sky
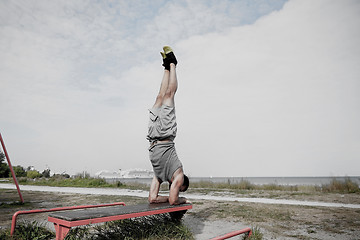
266 88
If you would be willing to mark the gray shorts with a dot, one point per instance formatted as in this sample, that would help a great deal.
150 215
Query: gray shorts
164 160
162 123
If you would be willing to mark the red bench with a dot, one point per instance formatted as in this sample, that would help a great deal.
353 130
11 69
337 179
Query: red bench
65 220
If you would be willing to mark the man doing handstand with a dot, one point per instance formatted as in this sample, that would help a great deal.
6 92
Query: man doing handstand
161 134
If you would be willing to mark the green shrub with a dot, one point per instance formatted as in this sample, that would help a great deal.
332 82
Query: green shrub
4 168
32 230
4 234
243 185
19 171
78 233
22 180
46 173
151 227
347 186
96 182
256 234
33 174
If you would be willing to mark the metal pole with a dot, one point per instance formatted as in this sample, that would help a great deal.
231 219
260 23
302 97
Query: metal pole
11 168
233 234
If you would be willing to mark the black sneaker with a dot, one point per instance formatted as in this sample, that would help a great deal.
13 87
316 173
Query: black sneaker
170 55
166 62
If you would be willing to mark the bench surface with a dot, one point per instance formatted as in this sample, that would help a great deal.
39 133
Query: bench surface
91 213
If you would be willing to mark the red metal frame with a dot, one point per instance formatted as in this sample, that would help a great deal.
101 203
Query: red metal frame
11 169
13 223
233 234
62 227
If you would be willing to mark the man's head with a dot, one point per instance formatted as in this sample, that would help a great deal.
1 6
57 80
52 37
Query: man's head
185 184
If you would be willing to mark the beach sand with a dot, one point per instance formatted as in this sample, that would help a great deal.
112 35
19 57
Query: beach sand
209 218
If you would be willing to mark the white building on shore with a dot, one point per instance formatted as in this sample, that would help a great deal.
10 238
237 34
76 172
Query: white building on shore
129 173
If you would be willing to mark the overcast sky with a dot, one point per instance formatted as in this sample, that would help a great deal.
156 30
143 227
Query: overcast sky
266 88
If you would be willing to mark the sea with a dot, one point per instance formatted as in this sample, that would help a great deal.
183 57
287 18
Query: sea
291 181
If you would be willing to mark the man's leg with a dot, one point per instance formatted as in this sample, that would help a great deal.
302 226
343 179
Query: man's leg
163 88
169 96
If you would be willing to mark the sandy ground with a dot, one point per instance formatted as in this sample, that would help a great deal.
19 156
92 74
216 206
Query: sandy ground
208 218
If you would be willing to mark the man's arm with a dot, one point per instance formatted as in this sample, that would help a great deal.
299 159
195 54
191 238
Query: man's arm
154 192
174 198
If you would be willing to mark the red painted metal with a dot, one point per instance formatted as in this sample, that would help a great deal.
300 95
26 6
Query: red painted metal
61 225
11 169
13 223
233 234
61 231
116 217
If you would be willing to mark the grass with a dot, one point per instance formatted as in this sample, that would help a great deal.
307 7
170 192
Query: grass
154 227
256 234
69 182
347 186
151 227
28 230
241 211
87 182
273 219
242 185
13 204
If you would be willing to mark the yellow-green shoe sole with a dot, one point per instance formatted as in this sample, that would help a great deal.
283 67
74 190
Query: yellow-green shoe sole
163 55
167 49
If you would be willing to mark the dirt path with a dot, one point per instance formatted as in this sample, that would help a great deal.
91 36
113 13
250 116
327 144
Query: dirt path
212 218
282 222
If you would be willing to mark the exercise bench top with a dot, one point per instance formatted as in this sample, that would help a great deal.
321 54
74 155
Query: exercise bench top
64 220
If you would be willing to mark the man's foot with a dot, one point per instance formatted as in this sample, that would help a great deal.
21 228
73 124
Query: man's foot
166 62
170 55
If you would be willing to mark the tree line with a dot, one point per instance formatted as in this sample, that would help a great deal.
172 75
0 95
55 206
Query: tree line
20 171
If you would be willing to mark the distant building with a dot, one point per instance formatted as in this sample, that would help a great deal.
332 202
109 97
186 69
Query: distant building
129 173
107 174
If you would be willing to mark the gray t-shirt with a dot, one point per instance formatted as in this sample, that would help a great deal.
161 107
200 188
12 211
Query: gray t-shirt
164 160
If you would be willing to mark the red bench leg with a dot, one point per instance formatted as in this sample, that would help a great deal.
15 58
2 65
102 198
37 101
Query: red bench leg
61 231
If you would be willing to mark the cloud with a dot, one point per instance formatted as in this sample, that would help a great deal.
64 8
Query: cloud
278 94
260 84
